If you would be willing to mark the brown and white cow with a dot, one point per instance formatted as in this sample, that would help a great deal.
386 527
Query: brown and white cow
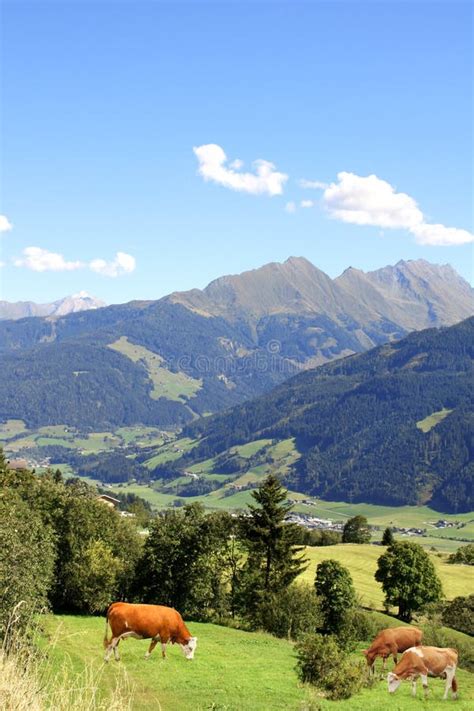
155 622
423 662
391 641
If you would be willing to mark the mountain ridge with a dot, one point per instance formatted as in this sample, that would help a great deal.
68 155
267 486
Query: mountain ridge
237 338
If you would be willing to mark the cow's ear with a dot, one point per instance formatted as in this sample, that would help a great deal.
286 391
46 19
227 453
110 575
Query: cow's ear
365 652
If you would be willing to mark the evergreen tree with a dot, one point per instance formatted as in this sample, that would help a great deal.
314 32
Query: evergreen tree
274 556
408 578
387 538
356 530
336 593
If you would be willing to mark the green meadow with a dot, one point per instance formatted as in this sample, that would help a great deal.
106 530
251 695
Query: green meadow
361 561
232 671
173 386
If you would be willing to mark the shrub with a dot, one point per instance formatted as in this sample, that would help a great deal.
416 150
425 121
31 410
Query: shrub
358 626
292 612
459 614
436 636
464 555
324 664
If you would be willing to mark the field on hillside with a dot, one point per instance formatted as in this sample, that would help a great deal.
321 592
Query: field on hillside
361 560
232 671
173 386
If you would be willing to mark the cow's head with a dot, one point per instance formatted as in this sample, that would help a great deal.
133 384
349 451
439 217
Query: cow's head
369 656
393 682
190 647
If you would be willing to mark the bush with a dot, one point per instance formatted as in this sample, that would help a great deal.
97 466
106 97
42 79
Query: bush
291 612
324 664
358 626
464 555
459 614
435 636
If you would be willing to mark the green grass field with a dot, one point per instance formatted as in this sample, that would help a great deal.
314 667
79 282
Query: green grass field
361 561
432 420
173 386
232 671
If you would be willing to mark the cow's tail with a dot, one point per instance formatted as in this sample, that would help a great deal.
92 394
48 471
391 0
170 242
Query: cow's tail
454 685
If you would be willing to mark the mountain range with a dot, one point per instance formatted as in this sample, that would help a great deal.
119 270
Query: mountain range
391 426
69 304
193 353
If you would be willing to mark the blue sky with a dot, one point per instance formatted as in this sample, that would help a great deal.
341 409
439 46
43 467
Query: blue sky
103 103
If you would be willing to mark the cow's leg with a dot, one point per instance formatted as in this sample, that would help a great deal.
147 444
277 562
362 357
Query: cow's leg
449 682
413 687
116 651
152 646
112 647
163 650
384 663
424 681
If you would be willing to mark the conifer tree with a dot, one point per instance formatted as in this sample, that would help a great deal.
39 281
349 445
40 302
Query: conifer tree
274 557
388 537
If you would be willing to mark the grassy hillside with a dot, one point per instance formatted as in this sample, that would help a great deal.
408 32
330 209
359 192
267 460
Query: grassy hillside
391 426
232 671
361 560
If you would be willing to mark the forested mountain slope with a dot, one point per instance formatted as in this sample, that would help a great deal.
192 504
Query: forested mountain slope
393 426
165 362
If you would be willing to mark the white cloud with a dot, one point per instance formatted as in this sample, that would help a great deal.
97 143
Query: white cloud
370 200
122 264
290 207
5 224
40 260
313 184
307 203
213 166
2 264
440 235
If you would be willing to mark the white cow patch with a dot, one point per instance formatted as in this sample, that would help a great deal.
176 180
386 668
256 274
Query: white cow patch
417 651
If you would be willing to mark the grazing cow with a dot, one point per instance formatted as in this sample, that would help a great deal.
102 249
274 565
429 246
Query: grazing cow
423 661
155 622
390 642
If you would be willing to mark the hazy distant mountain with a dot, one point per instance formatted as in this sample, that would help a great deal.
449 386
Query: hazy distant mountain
196 352
70 304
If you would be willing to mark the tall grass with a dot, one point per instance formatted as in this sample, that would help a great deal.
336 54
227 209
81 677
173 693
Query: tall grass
27 682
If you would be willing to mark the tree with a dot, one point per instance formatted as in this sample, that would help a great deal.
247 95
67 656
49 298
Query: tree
356 530
185 562
408 578
26 559
387 538
335 590
274 556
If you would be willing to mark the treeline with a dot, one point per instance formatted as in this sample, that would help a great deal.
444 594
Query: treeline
355 423
61 547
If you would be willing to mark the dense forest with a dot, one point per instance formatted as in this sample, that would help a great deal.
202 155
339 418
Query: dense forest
363 427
